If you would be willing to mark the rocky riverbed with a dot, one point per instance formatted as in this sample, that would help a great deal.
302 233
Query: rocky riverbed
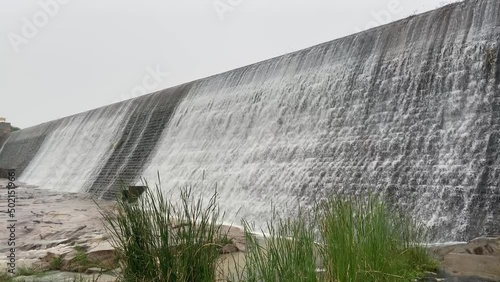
50 225
66 225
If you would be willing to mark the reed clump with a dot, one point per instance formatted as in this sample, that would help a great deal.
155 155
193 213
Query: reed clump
157 239
363 240
342 239
286 253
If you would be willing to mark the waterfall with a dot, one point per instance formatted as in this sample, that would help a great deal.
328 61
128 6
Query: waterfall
73 152
409 110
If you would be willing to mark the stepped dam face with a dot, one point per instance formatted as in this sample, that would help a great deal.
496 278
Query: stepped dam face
410 110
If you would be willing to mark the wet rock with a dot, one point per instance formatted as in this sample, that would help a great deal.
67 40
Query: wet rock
477 260
482 266
133 193
229 248
104 254
236 235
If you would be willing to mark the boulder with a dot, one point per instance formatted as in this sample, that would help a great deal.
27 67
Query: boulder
4 172
133 193
104 255
478 258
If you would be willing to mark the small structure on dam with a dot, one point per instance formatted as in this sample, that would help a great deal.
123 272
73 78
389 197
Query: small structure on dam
410 110
4 127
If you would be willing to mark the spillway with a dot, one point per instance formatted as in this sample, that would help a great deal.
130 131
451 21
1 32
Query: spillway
410 110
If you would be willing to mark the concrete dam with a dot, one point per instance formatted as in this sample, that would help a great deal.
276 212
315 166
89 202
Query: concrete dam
410 110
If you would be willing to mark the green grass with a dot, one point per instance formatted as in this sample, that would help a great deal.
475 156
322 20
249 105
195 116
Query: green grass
4 277
343 239
348 238
81 260
288 252
56 263
363 240
21 271
26 271
159 240
79 249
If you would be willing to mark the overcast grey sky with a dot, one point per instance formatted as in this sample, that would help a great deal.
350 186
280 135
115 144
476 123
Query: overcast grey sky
61 57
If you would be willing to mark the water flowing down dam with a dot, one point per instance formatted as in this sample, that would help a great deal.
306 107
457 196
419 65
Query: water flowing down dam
410 110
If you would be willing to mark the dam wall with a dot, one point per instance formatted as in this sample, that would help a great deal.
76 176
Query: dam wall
409 110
